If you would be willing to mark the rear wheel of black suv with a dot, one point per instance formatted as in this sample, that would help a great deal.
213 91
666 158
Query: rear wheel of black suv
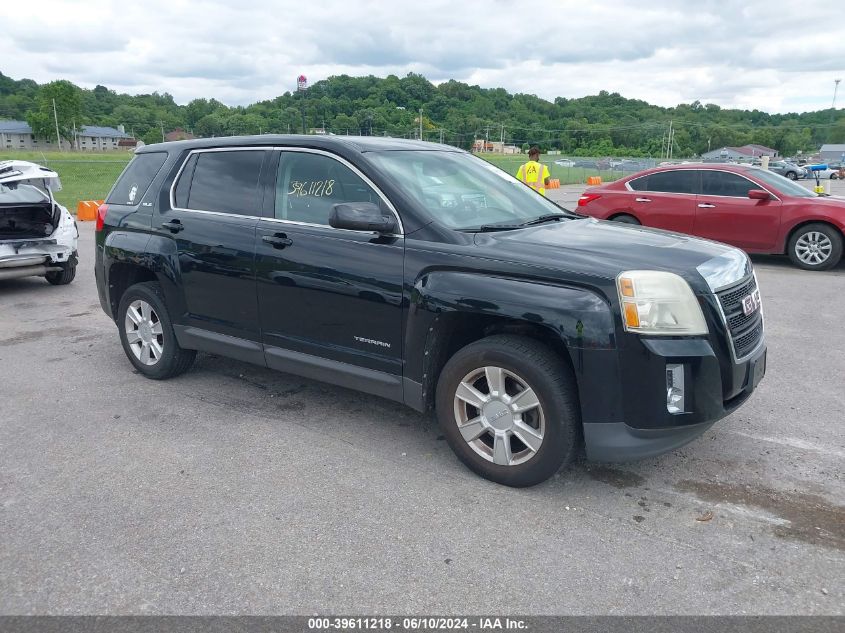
147 336
508 406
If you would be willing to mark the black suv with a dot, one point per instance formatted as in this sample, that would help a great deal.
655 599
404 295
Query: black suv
422 274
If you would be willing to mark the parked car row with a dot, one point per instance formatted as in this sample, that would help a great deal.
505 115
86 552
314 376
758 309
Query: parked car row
607 164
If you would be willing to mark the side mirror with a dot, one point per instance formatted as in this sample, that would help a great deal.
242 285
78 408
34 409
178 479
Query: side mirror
759 194
361 216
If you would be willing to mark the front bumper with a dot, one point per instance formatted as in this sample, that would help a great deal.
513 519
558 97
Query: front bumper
643 426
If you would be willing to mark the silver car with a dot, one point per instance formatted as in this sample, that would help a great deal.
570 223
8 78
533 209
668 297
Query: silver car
790 170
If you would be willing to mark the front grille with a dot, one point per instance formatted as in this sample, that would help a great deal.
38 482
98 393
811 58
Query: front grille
746 343
745 330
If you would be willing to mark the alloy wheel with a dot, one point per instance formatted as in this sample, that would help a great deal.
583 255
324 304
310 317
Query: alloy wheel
499 415
144 332
813 248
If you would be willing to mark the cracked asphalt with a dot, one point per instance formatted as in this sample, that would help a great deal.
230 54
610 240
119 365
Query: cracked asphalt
234 489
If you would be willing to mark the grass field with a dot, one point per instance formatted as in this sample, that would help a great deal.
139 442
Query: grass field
86 176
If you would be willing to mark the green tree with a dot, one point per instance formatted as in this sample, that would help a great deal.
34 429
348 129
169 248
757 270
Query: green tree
68 110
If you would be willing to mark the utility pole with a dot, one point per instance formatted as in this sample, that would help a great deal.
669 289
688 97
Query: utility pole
670 142
421 136
56 119
161 123
502 139
486 138
833 105
441 136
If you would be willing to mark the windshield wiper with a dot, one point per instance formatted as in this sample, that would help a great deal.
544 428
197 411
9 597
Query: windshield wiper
489 228
544 218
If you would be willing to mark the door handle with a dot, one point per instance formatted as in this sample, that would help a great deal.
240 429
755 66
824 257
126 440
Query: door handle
643 199
174 226
706 205
277 240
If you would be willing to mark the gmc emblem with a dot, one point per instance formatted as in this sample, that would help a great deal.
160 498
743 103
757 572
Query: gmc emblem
751 303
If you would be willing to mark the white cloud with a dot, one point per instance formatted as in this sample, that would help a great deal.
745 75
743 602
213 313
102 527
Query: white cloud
775 56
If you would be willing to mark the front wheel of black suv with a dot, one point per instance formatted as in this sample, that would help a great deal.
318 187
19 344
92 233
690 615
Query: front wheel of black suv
815 247
147 336
508 407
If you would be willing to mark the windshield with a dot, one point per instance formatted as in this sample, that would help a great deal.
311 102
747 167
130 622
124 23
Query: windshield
782 184
15 193
462 191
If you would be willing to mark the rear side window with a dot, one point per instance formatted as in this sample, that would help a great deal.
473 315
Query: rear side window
677 181
136 178
226 182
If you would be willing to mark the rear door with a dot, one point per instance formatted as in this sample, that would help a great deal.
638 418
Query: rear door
214 209
666 199
724 212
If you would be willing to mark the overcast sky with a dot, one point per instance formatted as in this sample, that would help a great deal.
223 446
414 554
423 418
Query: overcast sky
772 55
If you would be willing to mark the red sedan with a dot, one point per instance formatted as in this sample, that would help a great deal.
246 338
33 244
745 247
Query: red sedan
752 208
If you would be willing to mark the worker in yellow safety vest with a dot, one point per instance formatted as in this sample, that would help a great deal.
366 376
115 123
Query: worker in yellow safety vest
534 173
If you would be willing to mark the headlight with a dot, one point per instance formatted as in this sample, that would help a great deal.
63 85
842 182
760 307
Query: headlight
655 302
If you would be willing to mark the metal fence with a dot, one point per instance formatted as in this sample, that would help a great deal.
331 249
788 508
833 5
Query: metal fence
576 169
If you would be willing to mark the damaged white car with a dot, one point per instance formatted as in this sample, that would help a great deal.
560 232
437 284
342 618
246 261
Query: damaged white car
38 236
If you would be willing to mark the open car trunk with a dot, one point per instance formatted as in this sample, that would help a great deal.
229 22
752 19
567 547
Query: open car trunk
27 207
28 221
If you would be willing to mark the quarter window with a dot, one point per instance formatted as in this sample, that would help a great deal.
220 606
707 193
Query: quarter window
639 184
309 185
722 183
226 182
136 178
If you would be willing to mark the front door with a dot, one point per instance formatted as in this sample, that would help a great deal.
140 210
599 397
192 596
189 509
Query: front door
212 220
328 298
724 212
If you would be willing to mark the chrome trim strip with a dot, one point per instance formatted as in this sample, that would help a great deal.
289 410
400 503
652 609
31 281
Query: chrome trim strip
306 150
757 347
709 195
332 228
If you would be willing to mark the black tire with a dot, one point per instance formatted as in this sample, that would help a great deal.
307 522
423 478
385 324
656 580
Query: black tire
173 360
624 218
832 234
551 379
62 277
792 175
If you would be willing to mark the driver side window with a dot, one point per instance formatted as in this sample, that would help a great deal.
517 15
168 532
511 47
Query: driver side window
309 185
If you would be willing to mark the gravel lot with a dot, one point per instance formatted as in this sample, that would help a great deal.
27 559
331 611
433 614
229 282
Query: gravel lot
234 489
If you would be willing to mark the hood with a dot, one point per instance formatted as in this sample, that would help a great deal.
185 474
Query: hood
605 249
22 171
828 202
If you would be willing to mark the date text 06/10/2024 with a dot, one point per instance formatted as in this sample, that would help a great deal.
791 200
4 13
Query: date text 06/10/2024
415 624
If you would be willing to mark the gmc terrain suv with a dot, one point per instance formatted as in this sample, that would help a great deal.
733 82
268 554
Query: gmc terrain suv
422 274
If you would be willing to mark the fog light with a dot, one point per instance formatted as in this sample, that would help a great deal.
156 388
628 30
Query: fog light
675 388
